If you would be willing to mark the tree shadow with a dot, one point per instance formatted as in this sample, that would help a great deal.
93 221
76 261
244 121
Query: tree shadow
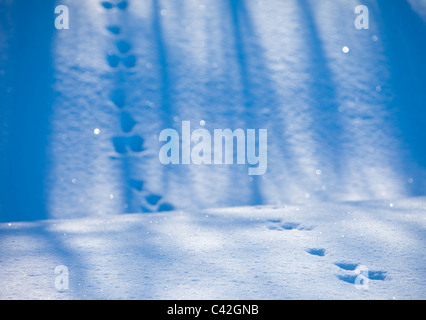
323 99
29 77
404 34
257 88
163 63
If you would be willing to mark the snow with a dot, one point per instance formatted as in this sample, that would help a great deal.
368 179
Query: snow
309 251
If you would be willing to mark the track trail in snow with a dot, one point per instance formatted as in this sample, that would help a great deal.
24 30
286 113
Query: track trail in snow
355 272
128 143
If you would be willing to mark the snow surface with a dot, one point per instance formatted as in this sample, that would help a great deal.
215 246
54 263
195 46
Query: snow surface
230 253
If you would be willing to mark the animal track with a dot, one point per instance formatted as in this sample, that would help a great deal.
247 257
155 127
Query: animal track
290 226
114 29
118 97
108 5
348 278
347 266
281 226
122 144
163 207
316 251
153 199
122 5
129 61
127 122
377 275
123 46
356 268
136 184
114 61
357 273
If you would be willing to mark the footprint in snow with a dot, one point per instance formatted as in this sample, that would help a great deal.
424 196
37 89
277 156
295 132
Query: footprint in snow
123 46
127 122
136 184
122 144
118 97
357 270
114 60
109 5
347 266
114 29
316 252
281 226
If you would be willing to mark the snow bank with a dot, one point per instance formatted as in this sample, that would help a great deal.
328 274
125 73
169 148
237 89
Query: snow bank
311 251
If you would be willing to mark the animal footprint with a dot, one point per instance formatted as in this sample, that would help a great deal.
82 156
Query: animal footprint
114 29
122 143
279 226
123 46
347 266
358 270
136 184
316 251
165 207
127 122
118 97
154 205
153 199
114 60
108 5
290 226
377 275
348 278
129 61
